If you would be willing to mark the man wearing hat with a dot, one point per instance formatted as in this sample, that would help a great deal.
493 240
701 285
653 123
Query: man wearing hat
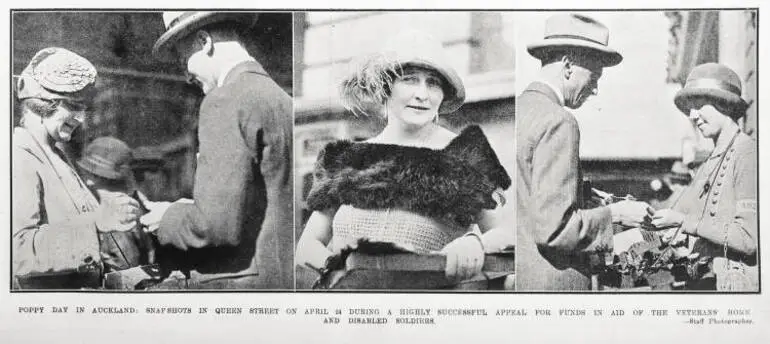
56 220
106 169
555 238
237 232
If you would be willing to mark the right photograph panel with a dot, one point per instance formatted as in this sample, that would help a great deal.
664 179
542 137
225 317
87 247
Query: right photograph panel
636 151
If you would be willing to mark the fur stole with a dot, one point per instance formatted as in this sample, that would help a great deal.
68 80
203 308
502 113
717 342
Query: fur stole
450 184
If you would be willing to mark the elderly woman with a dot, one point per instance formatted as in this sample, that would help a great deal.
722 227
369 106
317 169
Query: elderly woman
56 219
415 184
719 207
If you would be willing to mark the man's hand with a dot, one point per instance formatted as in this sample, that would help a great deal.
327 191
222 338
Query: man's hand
630 213
152 219
464 257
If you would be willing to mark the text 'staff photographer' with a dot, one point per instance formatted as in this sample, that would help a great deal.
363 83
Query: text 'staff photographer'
637 173
403 151
152 151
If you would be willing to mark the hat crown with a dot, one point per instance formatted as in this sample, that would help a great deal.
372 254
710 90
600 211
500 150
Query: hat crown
714 75
107 153
576 26
55 70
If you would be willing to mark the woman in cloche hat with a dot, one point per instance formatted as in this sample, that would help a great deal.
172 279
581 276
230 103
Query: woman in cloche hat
56 219
719 207
106 167
415 184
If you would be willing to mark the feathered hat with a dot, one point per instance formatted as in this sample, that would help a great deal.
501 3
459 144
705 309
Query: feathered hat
364 89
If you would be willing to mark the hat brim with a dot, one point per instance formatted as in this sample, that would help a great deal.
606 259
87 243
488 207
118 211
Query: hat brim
162 48
686 96
453 101
608 56
99 171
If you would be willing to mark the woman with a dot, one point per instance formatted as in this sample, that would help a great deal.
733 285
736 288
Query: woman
56 219
719 207
106 168
415 184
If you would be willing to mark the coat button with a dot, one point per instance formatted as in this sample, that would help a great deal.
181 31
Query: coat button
713 212
719 182
716 192
724 166
714 201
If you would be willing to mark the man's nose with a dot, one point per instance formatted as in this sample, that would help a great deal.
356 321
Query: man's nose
189 78
694 114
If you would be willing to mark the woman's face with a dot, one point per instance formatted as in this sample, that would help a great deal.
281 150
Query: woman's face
69 115
415 96
708 119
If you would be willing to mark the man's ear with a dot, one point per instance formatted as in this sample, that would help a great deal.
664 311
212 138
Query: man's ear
204 39
566 62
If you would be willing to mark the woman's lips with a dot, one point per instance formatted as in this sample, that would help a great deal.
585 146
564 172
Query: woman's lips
417 107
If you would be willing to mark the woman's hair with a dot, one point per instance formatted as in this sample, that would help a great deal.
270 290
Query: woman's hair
366 90
725 108
41 107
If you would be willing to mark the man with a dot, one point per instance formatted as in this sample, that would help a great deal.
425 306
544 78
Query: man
555 238
237 231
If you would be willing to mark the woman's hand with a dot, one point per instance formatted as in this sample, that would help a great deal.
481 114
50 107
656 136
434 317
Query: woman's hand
117 212
667 218
464 257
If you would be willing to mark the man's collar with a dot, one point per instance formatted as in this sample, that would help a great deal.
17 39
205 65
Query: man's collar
238 67
546 90
557 92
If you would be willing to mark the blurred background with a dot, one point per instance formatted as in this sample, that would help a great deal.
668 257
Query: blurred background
140 99
633 138
479 45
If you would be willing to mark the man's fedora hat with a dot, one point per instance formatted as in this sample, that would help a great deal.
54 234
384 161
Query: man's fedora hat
180 24
107 157
715 82
575 31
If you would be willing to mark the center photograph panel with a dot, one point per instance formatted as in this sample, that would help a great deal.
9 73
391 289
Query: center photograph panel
404 151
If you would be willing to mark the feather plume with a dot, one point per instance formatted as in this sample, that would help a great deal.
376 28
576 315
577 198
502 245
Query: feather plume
365 90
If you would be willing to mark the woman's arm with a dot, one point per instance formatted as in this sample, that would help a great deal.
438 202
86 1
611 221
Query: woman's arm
312 248
496 236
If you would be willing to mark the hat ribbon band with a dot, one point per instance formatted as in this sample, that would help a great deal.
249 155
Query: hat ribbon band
102 162
179 19
575 37
713 84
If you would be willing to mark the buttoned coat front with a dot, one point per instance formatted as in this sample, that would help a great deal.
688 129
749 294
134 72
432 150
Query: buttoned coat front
554 236
241 221
720 205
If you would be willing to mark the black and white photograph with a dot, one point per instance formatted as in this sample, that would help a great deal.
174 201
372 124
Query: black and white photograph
152 150
636 151
403 150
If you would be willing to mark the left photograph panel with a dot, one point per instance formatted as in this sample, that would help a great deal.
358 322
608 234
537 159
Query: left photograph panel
152 151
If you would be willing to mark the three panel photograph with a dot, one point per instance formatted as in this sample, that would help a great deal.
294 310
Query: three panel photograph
385 151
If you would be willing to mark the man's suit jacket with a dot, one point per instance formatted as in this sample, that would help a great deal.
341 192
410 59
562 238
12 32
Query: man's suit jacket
241 221
554 236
